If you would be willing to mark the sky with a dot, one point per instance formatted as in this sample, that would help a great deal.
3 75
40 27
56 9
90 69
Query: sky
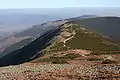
6 4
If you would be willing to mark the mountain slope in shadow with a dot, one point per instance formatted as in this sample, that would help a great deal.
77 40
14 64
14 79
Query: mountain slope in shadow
32 50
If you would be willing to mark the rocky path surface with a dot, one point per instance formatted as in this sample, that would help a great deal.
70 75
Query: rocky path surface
60 72
73 33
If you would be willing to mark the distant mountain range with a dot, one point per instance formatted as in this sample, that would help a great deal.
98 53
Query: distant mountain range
15 21
88 32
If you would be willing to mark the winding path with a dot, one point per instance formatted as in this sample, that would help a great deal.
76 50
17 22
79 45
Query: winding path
69 38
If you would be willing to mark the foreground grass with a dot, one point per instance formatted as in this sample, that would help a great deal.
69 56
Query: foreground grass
59 60
104 52
94 59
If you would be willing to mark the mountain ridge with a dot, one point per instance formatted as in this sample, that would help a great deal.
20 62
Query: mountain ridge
101 25
65 35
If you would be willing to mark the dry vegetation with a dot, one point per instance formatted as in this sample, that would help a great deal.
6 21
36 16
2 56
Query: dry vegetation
32 71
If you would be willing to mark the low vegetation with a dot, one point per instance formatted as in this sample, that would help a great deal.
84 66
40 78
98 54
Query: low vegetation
59 60
94 59
108 61
105 52
71 56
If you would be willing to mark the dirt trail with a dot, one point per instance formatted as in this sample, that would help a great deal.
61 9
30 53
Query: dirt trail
73 33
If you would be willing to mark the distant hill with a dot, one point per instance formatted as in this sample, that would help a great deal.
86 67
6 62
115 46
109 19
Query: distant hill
12 21
108 26
82 17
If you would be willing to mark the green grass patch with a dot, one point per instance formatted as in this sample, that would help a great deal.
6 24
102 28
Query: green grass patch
94 59
71 56
58 47
54 60
59 60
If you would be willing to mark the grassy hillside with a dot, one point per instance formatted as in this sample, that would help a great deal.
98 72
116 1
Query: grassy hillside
82 39
78 44
108 26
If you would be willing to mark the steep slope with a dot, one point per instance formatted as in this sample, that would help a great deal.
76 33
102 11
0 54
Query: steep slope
108 26
75 42
75 36
30 48
26 36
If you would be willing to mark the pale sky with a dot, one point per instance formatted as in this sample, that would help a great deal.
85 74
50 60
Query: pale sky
6 4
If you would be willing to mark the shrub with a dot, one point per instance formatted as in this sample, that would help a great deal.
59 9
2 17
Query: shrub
54 60
59 60
108 61
71 56
94 59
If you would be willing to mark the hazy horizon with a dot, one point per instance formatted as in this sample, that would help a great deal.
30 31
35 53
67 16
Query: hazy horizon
13 20
6 4
78 11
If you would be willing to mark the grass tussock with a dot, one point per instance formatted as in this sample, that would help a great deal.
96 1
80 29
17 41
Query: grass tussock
94 59
59 60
